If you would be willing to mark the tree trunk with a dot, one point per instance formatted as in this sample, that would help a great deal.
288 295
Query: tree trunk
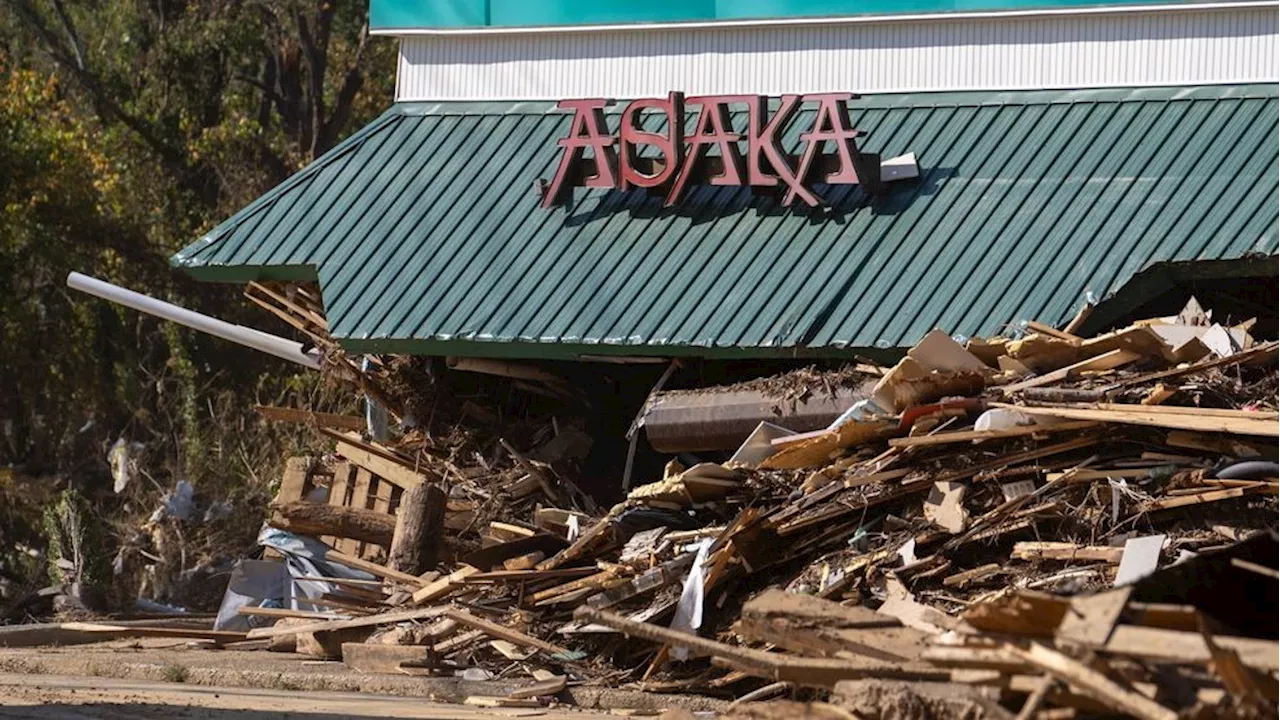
419 521
315 519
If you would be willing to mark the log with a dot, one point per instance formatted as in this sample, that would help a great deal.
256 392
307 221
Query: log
416 542
304 518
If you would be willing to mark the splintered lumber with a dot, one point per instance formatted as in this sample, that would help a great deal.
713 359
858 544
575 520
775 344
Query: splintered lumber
1188 647
419 522
1054 332
377 459
1146 415
971 435
1168 503
360 622
493 629
1093 683
294 481
316 519
1106 361
1066 551
1090 619
113 632
373 568
308 417
287 613
440 587
812 672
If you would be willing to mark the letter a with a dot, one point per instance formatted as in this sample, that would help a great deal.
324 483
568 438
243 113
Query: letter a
588 130
830 123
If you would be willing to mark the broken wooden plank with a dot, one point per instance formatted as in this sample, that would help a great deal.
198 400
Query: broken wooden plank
360 622
1168 503
1090 618
1066 551
1143 415
445 585
971 435
501 632
288 613
1106 361
373 568
377 459
1189 647
1092 682
309 417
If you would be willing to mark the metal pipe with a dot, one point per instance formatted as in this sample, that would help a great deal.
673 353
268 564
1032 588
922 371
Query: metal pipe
256 339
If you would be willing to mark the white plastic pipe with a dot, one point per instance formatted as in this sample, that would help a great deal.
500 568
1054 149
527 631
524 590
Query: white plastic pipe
256 339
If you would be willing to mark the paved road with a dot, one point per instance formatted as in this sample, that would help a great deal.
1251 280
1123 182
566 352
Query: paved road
61 697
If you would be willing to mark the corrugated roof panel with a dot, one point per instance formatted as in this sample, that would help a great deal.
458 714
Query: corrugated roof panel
426 233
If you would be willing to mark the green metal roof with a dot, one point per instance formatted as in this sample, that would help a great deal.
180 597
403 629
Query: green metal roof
426 234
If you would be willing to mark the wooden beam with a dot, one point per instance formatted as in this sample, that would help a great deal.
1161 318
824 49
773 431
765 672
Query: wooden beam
1168 503
1066 551
1092 683
287 613
501 632
440 587
1106 361
309 417
1145 415
360 622
379 460
373 568
970 435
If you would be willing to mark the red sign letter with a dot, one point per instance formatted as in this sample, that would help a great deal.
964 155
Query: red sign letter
630 136
763 137
830 123
713 128
587 131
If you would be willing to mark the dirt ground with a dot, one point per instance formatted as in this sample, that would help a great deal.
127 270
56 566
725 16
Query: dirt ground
60 697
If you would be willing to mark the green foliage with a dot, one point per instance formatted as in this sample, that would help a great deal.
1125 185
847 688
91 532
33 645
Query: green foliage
126 129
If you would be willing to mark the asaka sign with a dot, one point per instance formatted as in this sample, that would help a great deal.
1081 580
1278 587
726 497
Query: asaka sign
615 160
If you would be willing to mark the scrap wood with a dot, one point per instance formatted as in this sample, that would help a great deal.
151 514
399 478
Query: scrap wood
1065 551
309 417
1143 415
360 622
377 459
111 631
980 435
1105 361
505 633
441 587
1242 682
373 568
1092 682
1200 498
1188 647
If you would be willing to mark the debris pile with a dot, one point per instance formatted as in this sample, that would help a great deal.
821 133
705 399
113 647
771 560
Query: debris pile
1048 526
